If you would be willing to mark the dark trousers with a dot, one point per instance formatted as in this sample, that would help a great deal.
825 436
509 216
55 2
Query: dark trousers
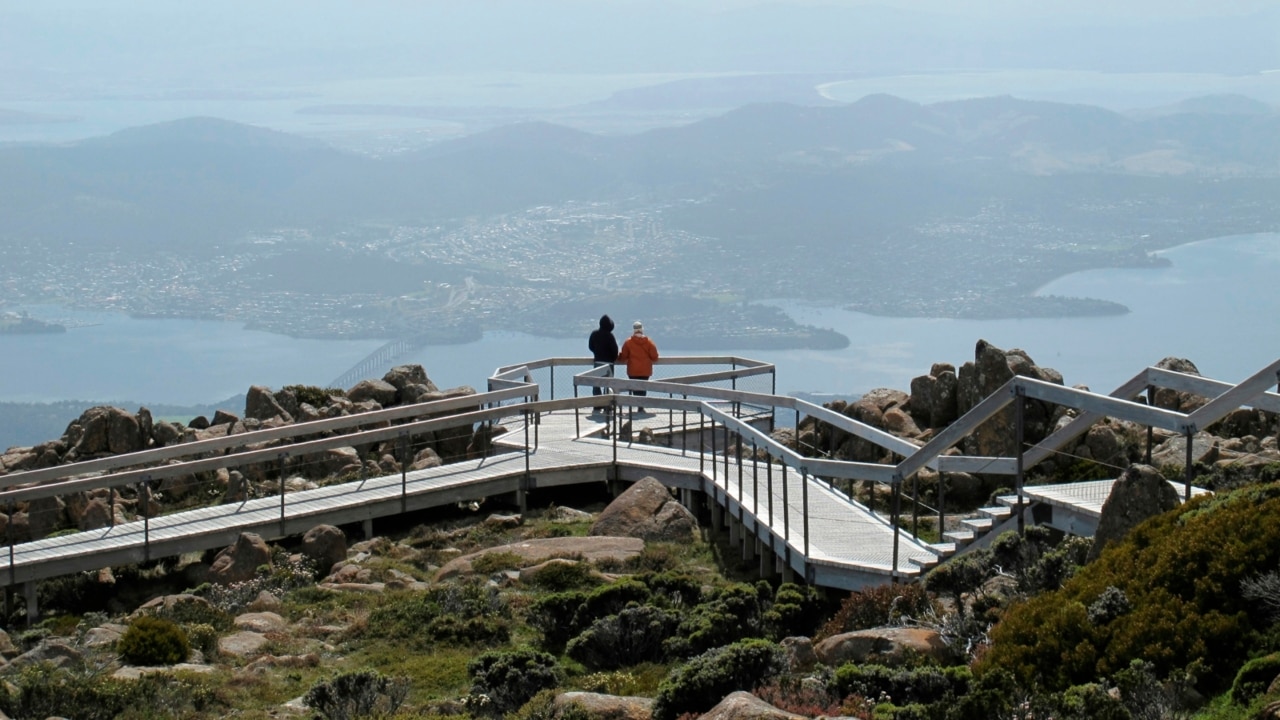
639 393
600 391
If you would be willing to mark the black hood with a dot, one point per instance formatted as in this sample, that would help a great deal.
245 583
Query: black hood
606 324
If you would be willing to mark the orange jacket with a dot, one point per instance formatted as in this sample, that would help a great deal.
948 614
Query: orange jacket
639 353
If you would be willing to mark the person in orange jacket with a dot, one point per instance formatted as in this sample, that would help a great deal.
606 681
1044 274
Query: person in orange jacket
639 353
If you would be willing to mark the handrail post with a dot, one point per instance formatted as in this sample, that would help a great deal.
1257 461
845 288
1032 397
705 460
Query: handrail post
726 465
146 518
804 494
915 504
755 483
404 472
786 506
893 522
942 505
1151 402
741 510
798 432
1018 433
280 458
8 531
1188 470
684 426
713 453
768 479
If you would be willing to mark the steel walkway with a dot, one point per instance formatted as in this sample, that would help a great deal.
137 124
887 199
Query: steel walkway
782 507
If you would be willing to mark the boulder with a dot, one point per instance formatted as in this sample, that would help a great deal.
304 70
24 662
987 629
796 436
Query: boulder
98 514
646 510
402 376
533 552
383 393
883 646
1141 492
742 705
597 706
1173 451
426 458
261 404
325 545
166 433
199 422
222 417
57 653
181 605
800 655
242 644
260 622
240 562
104 429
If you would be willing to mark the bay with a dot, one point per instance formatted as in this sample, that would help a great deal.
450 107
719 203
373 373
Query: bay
1214 304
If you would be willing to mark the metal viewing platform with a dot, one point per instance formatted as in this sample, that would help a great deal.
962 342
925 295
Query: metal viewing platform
707 427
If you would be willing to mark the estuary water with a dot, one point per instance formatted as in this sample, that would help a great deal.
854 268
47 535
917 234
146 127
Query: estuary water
1216 304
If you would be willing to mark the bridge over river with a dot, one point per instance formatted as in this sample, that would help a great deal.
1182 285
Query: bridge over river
710 419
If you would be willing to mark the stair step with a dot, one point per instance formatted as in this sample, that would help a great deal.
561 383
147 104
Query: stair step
924 563
960 537
978 524
1009 500
942 550
997 512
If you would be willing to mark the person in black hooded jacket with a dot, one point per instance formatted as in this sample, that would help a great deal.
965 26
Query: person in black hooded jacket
603 346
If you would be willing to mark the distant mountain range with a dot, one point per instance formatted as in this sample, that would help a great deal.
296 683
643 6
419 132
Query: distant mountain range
192 182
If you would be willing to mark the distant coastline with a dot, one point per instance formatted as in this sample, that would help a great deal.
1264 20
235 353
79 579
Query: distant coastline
21 324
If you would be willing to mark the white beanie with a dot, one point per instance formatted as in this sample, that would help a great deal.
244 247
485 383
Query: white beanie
637 326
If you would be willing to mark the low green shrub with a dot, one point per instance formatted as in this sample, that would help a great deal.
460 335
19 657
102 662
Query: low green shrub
312 395
725 615
362 694
1254 678
509 679
794 611
903 686
1181 573
494 562
699 684
40 690
150 640
635 635
467 613
561 576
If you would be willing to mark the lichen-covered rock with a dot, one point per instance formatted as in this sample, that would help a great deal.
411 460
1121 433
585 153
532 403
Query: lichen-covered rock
325 545
597 706
241 561
260 403
1141 492
742 705
383 393
646 510
883 646
532 552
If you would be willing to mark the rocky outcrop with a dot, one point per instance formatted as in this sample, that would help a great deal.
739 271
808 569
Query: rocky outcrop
383 393
261 404
883 646
646 510
597 706
533 552
991 368
1141 492
742 705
